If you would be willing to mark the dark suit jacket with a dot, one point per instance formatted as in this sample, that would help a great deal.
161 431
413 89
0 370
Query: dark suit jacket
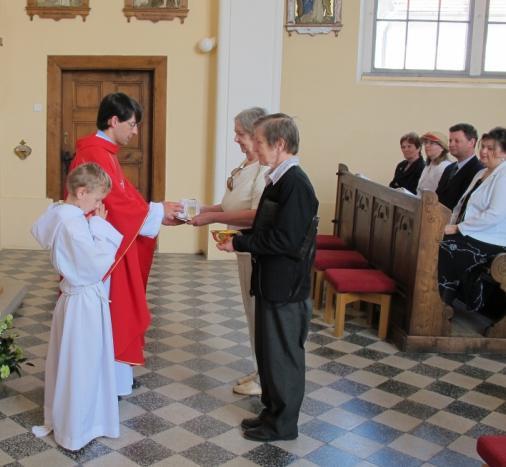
277 240
450 190
408 178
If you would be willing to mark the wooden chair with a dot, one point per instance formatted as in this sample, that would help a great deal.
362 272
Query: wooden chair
326 259
351 285
329 242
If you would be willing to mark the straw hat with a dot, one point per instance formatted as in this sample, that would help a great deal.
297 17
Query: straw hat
436 137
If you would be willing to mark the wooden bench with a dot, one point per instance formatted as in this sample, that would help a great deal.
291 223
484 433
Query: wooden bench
400 234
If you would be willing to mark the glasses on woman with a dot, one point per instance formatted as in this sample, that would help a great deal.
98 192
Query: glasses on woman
230 180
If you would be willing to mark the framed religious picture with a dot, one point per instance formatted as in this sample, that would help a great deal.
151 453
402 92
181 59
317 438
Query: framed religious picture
313 16
156 10
58 9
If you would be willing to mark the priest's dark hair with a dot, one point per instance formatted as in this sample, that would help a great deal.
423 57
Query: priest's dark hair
120 105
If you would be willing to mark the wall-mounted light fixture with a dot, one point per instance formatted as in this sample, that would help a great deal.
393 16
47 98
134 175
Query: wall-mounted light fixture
206 44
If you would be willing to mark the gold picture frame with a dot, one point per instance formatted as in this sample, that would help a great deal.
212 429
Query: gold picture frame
313 16
156 10
58 9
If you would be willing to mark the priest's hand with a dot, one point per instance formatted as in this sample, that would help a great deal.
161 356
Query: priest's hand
170 210
226 246
174 221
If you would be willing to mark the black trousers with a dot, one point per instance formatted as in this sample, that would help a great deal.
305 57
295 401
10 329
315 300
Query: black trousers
281 331
462 260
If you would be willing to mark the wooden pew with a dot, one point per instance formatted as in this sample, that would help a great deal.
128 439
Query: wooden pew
400 235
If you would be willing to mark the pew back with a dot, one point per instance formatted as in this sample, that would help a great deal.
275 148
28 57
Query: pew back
399 234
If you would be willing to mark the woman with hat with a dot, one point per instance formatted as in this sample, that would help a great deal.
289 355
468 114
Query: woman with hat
436 149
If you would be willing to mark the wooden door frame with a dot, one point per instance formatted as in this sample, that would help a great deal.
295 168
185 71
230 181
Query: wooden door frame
57 64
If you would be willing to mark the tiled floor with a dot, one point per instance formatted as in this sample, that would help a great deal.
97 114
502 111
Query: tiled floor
366 403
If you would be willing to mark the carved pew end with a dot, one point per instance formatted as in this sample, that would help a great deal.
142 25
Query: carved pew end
352 285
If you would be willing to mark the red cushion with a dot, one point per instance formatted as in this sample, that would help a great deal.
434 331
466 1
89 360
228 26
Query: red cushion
492 449
329 242
360 280
325 259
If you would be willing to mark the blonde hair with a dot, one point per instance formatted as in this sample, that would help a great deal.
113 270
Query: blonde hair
90 176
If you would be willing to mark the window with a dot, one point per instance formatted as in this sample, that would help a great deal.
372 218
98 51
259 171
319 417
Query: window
434 37
495 59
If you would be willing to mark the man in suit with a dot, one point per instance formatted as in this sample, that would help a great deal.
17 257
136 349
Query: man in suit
458 175
282 245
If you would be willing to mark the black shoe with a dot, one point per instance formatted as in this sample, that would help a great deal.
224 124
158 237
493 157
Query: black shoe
263 435
136 384
120 398
249 423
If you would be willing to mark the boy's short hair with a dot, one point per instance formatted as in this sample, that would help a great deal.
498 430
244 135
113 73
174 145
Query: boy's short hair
280 126
90 176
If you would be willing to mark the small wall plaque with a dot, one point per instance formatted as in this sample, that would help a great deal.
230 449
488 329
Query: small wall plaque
22 150
156 10
57 9
313 16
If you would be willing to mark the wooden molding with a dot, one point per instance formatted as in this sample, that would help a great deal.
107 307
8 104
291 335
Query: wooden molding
57 64
165 12
57 13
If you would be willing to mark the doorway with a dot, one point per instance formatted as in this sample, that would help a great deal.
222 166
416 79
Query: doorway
76 85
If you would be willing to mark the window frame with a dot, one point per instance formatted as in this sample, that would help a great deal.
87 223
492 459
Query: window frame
475 57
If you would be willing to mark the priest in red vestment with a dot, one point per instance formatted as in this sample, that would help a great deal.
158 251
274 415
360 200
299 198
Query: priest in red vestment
138 222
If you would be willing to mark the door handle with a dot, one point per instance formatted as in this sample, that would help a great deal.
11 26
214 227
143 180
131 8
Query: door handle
66 158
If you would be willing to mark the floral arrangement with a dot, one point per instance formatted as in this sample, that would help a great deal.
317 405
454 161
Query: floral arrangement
11 355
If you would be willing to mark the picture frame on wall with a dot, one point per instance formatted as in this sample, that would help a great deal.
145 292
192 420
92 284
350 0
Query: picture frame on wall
58 9
156 10
313 16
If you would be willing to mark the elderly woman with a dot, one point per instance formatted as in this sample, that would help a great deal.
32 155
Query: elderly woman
237 209
436 150
407 172
477 232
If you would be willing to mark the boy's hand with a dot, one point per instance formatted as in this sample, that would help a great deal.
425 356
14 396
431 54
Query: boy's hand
101 211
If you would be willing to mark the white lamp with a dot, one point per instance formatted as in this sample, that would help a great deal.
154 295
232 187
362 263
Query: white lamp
206 44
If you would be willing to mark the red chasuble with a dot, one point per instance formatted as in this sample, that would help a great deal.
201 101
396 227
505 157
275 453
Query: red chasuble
127 211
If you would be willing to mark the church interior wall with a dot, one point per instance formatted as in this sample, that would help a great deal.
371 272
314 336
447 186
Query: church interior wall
340 118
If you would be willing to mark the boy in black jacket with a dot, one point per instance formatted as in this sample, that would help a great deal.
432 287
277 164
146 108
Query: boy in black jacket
282 243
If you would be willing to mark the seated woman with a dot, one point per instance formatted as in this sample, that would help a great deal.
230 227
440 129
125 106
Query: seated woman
407 172
477 230
436 150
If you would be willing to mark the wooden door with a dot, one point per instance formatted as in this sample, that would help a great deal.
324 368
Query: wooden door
82 92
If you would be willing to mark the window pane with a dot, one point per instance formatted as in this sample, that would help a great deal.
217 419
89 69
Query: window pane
497 11
389 50
455 10
495 58
424 9
392 9
421 46
452 46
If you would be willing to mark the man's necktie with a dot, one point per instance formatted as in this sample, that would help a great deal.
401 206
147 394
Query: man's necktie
453 170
